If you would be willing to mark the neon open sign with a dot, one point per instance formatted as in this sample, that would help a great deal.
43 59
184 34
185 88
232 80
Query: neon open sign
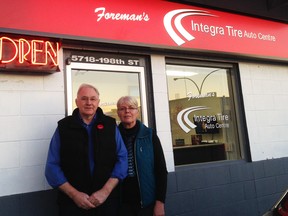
20 54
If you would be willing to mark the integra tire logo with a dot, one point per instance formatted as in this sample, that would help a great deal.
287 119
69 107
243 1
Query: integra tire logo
172 20
183 117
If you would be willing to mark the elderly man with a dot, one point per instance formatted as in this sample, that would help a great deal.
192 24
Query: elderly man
86 159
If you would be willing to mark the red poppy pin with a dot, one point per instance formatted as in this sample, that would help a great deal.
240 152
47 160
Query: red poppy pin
100 126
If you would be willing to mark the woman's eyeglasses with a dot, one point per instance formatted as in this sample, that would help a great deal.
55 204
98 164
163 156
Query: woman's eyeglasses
127 109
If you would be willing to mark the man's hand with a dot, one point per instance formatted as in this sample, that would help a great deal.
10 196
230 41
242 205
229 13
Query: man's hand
99 197
82 200
79 198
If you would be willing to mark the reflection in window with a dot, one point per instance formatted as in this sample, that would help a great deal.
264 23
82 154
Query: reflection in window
202 114
111 84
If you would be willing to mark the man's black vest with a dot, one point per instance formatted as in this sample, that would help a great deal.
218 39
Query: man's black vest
74 155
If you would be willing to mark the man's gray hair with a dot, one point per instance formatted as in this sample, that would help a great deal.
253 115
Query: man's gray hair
85 85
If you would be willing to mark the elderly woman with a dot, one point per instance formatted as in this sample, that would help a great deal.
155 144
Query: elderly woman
144 189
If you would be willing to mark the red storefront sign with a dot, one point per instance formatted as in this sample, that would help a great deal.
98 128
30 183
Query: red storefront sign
149 23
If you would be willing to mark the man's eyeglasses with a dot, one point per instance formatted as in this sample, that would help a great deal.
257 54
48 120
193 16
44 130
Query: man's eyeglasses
127 109
91 99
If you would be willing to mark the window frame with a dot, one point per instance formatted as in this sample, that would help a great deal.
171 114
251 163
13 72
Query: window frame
234 85
107 68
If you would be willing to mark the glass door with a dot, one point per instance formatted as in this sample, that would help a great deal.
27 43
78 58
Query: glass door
113 76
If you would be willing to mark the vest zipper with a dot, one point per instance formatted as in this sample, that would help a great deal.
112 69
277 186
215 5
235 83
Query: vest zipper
137 174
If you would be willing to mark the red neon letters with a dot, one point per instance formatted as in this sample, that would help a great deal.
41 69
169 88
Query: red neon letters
28 52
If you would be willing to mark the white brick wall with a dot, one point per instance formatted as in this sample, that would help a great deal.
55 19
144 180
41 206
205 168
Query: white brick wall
30 106
265 93
162 108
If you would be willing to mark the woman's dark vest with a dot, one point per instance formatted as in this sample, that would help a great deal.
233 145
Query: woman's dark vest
74 156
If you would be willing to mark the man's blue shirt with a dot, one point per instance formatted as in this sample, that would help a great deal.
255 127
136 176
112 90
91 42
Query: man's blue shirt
54 173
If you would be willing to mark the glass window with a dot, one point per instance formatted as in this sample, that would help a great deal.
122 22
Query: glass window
202 113
126 83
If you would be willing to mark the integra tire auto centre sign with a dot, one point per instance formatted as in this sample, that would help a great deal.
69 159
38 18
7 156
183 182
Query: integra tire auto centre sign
156 23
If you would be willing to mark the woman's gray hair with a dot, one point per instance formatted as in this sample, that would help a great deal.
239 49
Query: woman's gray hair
132 101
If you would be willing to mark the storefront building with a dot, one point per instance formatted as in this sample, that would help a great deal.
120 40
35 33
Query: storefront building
213 84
